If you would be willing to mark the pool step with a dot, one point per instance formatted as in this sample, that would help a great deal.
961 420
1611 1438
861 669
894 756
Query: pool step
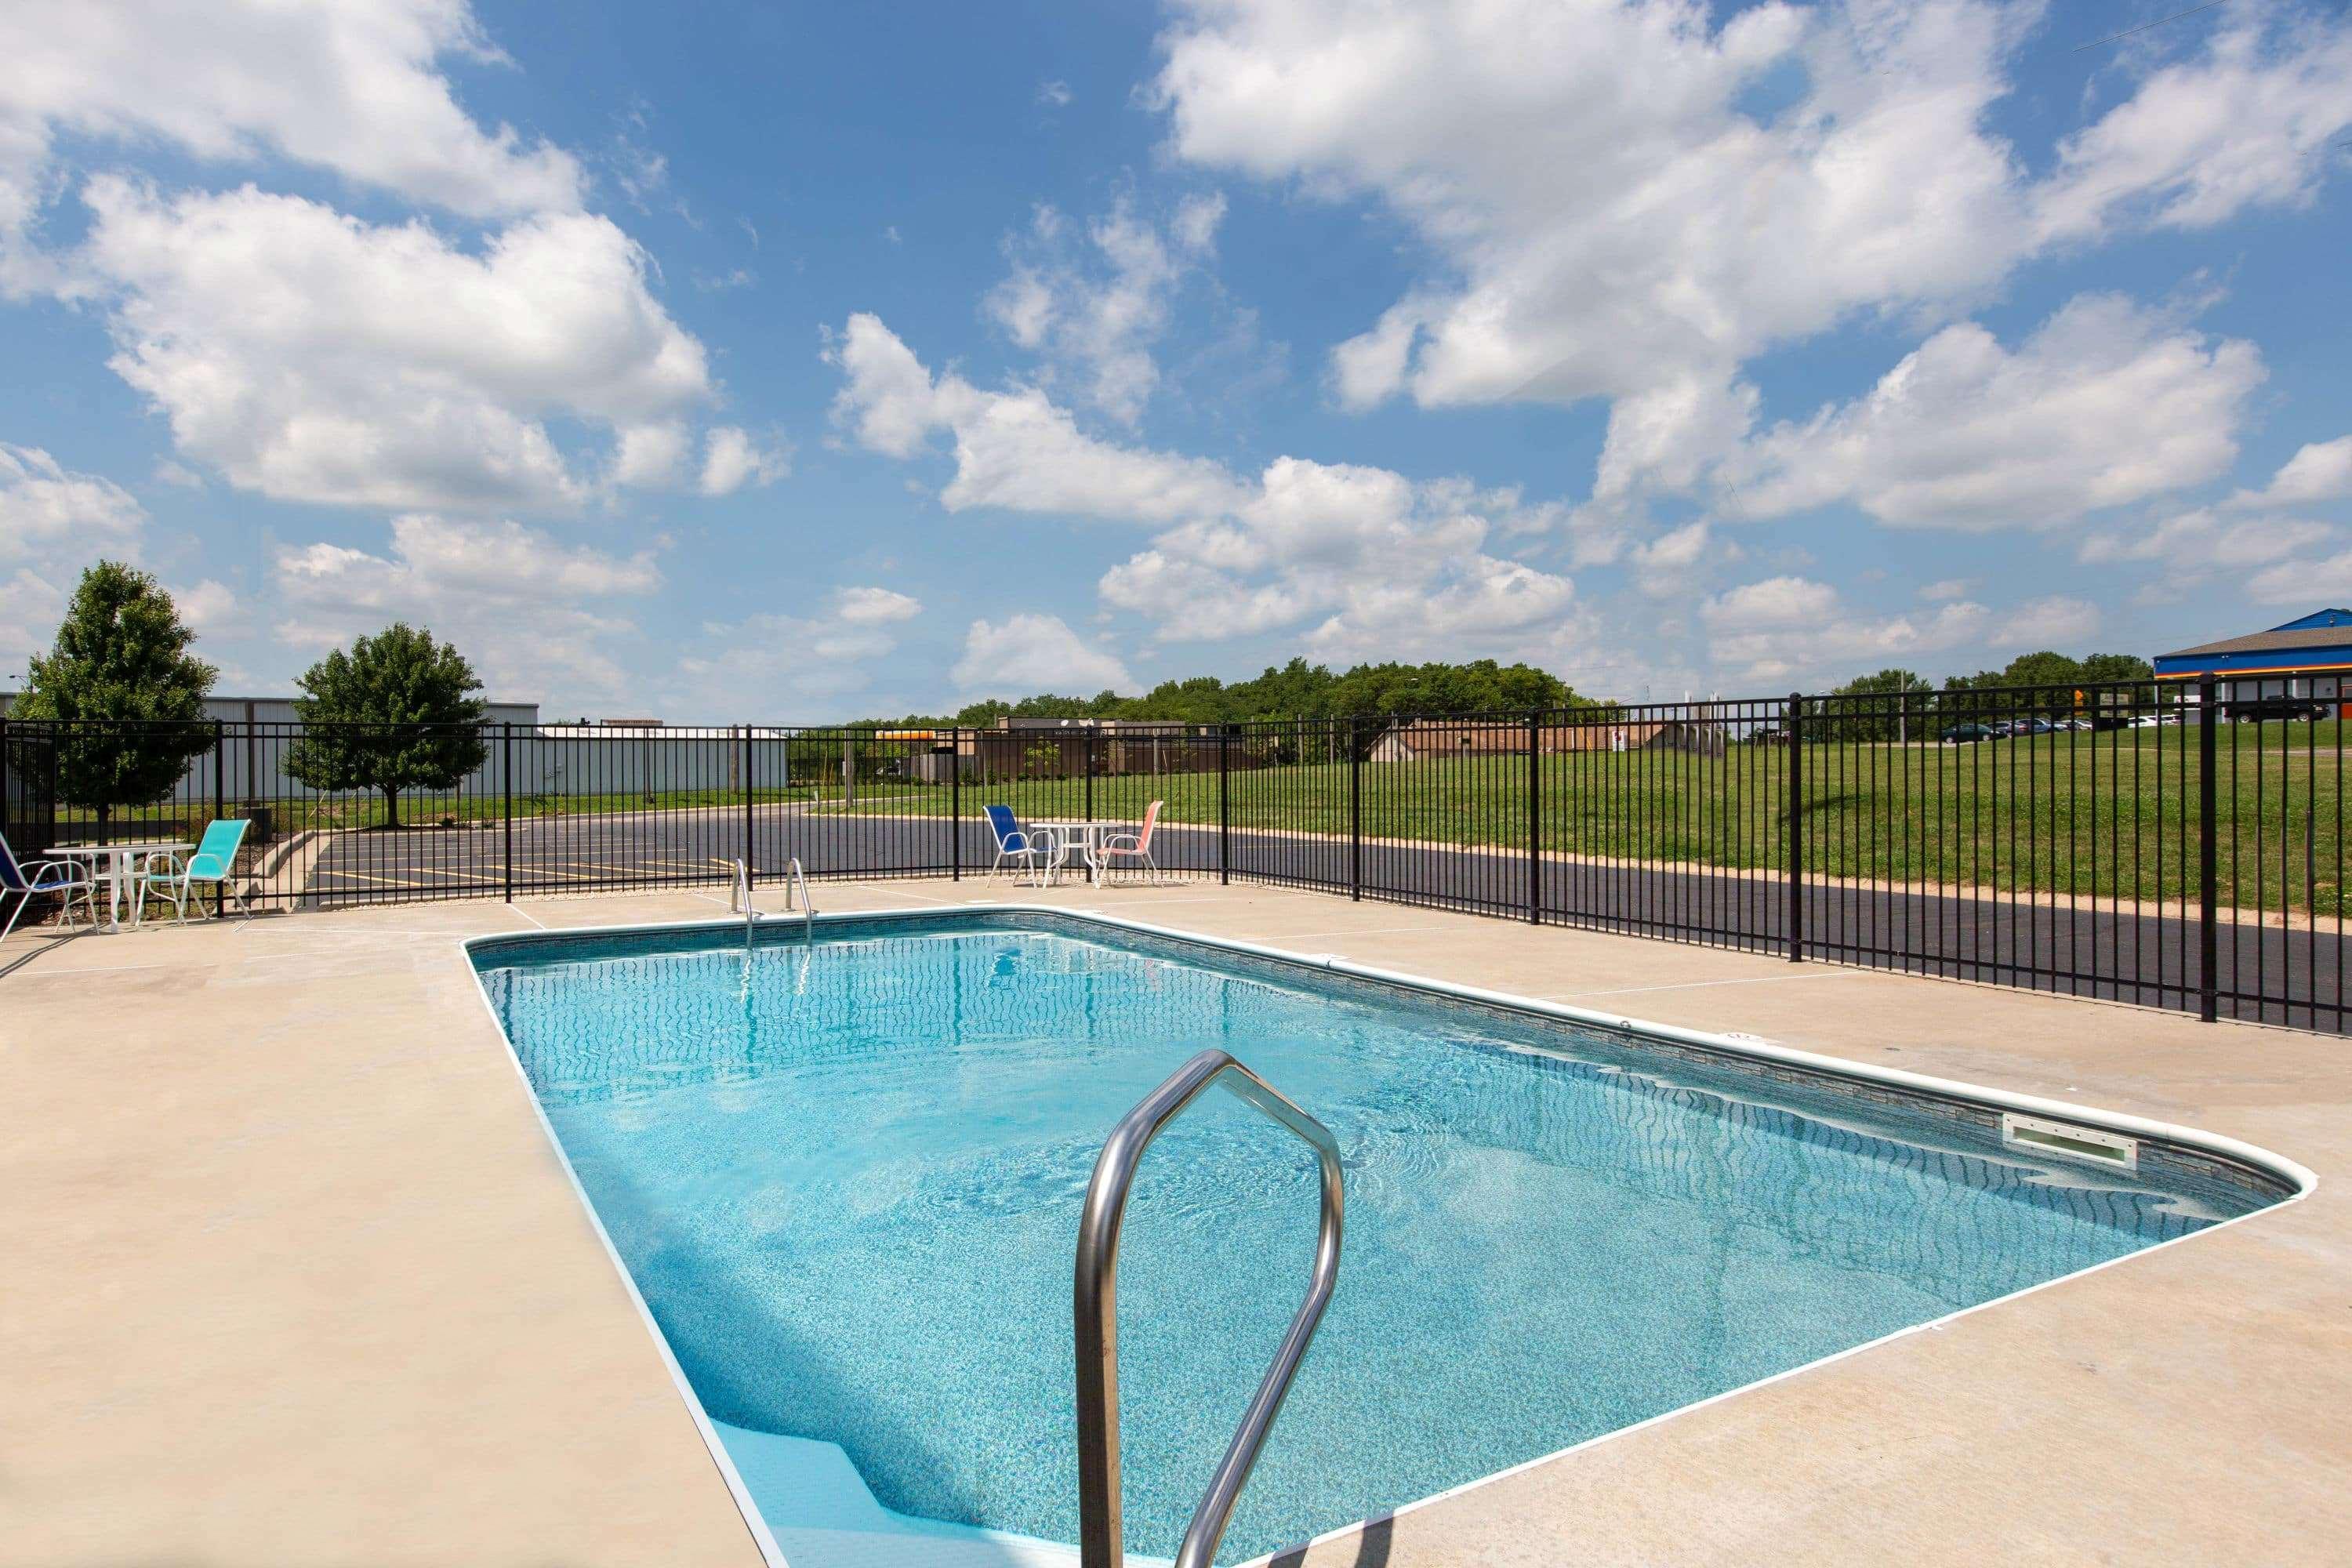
823 1515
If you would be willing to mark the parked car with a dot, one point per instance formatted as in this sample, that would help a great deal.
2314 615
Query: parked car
1962 734
2031 727
2272 709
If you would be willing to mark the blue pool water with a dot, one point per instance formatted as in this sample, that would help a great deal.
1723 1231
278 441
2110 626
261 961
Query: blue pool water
849 1194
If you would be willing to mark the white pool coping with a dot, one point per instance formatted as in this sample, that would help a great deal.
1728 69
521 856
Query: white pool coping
2302 1178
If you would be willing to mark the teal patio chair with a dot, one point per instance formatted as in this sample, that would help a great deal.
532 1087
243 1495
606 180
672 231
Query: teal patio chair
209 866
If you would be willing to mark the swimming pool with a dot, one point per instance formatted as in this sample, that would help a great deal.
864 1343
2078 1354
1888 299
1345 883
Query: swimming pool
847 1192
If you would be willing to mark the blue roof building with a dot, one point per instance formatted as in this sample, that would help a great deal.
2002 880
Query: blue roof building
2304 662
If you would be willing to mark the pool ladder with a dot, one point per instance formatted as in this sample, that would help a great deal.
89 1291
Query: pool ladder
739 900
1095 1307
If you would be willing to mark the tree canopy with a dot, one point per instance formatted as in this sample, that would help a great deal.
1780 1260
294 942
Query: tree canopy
1296 690
121 673
397 711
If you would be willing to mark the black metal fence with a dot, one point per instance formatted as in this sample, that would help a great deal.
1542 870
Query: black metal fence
2129 841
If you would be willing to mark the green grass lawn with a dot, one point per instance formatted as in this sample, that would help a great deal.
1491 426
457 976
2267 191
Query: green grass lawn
2113 814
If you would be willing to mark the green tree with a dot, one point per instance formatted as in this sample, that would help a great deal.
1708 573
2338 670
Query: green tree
1296 690
1892 704
130 694
397 711
2118 666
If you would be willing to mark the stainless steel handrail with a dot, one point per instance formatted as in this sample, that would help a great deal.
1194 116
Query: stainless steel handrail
1094 1305
738 896
808 907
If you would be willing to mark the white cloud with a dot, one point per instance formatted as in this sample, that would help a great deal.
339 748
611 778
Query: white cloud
1096 306
1013 449
1612 214
49 514
1395 569
2326 580
2245 124
1619 225
831 654
2102 404
1773 602
1386 563
731 459
54 523
1947 588
1796 630
1667 563
650 456
510 598
350 86
875 606
1055 94
2319 470
390 367
1028 653
1468 607
31 605
2055 618
2205 543
211 608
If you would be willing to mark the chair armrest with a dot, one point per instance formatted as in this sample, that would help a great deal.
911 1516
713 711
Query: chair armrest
75 873
1118 841
170 860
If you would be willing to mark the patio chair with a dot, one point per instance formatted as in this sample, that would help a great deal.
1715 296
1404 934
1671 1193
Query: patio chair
1018 847
1133 850
166 876
33 879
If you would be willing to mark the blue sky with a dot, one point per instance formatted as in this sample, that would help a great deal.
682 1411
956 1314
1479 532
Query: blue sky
850 360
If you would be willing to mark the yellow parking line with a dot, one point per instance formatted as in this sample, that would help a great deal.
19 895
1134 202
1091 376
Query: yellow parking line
435 881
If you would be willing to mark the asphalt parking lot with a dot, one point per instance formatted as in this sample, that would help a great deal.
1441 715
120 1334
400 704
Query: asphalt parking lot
2047 945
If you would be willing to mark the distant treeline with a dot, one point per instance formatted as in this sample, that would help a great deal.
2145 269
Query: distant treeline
1296 691
1302 690
2053 673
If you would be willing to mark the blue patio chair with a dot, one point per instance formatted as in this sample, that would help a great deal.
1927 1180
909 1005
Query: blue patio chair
1017 847
33 879
177 879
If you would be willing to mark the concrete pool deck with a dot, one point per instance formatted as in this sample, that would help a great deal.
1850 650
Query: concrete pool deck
294 1278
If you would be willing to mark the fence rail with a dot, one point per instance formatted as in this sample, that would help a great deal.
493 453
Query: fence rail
2128 841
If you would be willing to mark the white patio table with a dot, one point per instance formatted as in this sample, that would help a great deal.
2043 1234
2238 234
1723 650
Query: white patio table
118 865
1087 836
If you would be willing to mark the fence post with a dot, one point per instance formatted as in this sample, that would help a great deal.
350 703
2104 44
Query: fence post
955 803
1796 750
4 796
747 801
1355 813
2209 956
220 809
1224 806
1535 822
1088 770
506 791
